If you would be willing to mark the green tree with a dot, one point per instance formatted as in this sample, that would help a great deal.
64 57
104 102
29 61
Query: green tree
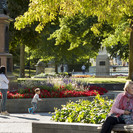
18 39
117 41
111 11
120 50
60 43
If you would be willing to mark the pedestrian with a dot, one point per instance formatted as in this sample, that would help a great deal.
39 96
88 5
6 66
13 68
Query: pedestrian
83 69
122 109
35 101
3 88
62 68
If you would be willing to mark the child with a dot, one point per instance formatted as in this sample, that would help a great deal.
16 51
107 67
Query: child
35 101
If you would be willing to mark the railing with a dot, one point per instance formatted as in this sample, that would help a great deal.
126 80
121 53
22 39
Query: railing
114 70
119 70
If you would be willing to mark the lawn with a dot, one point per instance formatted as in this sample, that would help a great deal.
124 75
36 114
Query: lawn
88 79
102 80
27 73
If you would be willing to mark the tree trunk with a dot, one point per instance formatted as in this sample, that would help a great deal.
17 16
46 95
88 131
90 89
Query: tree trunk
22 64
130 76
56 68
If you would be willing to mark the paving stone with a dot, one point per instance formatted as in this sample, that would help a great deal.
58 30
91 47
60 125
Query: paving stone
21 123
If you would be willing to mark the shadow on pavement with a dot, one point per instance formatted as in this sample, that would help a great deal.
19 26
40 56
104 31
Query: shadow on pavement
45 114
25 118
4 117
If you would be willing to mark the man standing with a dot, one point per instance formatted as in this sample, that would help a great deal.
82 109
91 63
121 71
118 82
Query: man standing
62 68
83 69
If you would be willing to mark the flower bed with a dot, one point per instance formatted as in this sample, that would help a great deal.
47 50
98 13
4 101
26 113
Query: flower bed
60 93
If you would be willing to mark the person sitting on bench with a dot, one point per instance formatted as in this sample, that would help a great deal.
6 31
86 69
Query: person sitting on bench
122 109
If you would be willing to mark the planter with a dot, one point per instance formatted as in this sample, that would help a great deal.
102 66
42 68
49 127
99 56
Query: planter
47 105
62 127
112 87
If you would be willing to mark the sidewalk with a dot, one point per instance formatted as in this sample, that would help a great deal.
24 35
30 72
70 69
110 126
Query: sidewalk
21 123
115 93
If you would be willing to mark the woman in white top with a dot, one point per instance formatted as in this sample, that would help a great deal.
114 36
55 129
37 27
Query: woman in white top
3 88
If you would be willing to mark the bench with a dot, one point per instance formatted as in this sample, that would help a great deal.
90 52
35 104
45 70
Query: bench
122 128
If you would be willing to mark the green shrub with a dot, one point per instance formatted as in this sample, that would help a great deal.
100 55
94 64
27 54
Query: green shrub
84 111
69 86
43 75
23 91
63 73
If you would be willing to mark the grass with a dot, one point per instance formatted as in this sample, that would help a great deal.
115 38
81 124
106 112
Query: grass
102 80
32 72
92 80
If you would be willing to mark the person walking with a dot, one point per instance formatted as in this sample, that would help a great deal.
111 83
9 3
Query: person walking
122 109
35 101
83 69
3 88
62 68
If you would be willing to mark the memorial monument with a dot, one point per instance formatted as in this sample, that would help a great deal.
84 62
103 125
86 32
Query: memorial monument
40 67
102 63
5 56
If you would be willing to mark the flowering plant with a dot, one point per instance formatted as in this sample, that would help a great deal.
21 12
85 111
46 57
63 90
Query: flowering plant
55 88
61 92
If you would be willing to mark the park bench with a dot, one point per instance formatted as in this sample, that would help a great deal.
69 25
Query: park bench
122 128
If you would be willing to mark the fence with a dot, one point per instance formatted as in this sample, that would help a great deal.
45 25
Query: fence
114 70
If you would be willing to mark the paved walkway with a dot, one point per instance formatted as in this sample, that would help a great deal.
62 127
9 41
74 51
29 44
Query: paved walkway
115 93
21 123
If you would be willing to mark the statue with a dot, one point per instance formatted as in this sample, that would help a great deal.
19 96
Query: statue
102 51
4 10
3 7
40 66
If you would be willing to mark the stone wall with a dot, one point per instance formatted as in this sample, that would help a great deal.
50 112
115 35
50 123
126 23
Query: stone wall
61 127
112 87
47 105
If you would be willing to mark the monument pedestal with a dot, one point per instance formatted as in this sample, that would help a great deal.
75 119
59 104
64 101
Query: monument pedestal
102 63
6 60
5 56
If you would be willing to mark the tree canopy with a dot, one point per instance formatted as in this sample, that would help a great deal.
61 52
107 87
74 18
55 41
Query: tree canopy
60 39
46 11
112 11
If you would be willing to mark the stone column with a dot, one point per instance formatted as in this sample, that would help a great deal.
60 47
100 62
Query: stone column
5 56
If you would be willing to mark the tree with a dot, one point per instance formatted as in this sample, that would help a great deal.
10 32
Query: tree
120 50
60 41
111 11
18 39
117 41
